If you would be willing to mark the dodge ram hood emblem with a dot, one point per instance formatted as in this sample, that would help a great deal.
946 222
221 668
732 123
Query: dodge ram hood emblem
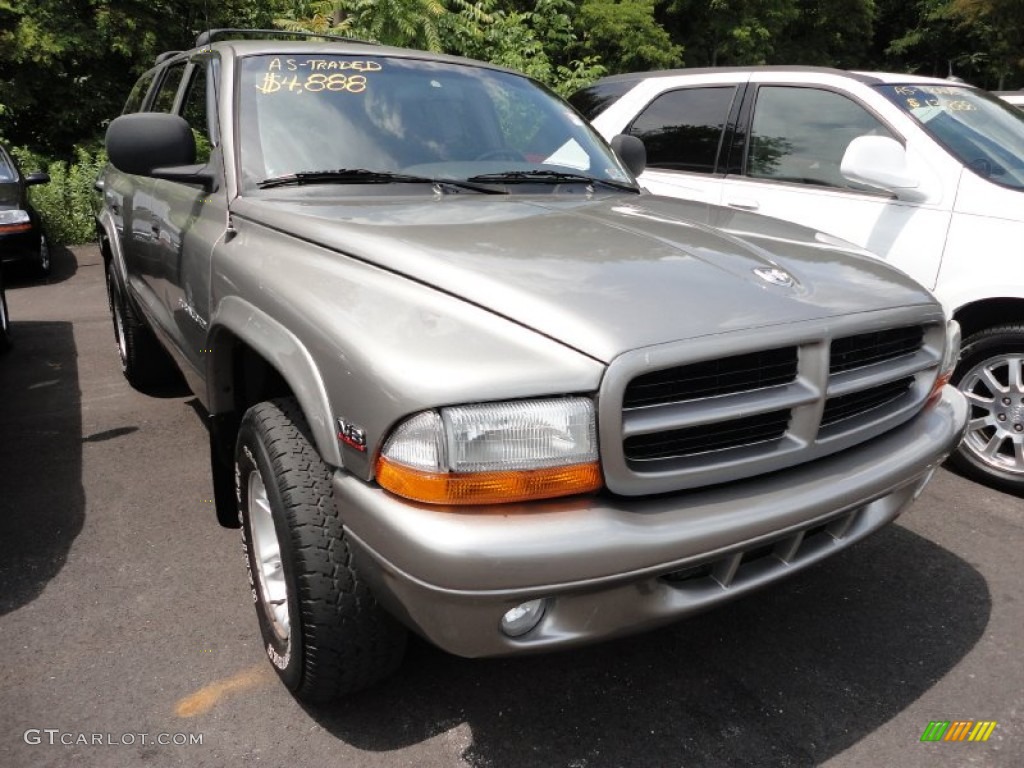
774 276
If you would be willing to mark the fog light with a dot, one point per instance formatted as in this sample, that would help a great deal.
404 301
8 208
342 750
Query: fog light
523 618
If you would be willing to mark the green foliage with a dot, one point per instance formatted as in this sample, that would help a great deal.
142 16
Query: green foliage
831 33
65 204
66 66
542 42
936 41
1002 22
724 32
626 36
404 23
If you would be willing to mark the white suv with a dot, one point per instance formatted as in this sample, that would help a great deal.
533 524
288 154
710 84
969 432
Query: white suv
927 174
1013 97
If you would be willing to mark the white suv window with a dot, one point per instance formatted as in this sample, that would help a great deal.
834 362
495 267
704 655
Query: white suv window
800 134
682 129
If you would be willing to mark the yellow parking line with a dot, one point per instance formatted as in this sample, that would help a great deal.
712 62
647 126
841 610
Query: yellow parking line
207 697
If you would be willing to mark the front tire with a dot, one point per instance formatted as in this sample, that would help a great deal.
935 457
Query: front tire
991 376
323 631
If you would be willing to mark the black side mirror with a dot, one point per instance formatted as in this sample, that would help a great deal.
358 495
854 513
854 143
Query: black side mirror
156 144
631 151
140 142
39 177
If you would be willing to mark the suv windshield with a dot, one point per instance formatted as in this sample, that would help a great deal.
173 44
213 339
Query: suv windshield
984 133
314 115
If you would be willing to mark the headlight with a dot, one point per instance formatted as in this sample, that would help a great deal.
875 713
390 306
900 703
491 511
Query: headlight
14 220
950 357
494 453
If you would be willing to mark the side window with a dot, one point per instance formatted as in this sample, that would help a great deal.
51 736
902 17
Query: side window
134 103
195 111
168 88
594 100
800 135
682 129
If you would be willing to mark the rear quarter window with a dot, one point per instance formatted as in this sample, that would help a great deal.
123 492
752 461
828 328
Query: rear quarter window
138 94
592 101
168 89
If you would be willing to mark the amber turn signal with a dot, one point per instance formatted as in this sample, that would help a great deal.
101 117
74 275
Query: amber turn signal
488 487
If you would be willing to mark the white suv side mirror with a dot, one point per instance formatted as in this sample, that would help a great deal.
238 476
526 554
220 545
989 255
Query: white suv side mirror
880 161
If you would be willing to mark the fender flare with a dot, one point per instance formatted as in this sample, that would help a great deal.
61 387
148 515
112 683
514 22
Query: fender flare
105 223
285 353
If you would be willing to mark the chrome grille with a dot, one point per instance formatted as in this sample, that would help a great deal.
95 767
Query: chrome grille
685 415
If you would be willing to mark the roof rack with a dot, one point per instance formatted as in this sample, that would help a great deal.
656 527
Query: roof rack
211 35
161 58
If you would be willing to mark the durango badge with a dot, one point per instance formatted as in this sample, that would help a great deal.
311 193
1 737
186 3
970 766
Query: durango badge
774 276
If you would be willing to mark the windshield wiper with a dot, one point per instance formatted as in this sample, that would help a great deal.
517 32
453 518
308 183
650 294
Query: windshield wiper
363 176
553 177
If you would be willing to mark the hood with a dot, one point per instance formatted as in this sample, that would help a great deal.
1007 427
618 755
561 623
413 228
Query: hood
603 275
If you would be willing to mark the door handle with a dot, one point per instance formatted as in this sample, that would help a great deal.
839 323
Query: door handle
743 203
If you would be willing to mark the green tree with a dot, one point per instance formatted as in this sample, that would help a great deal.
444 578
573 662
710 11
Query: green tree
1001 23
830 33
537 38
724 32
66 66
626 36
543 42
936 41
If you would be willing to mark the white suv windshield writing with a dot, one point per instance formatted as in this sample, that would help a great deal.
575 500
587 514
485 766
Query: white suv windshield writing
317 114
982 132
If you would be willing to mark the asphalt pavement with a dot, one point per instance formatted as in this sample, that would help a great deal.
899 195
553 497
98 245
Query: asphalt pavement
126 618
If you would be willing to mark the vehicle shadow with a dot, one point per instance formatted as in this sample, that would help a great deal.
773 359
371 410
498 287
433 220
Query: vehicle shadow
42 502
63 266
791 676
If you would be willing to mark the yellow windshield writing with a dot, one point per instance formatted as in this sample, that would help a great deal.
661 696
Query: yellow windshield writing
938 96
337 83
316 75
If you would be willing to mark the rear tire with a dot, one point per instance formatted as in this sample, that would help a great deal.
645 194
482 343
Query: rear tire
143 361
991 376
323 631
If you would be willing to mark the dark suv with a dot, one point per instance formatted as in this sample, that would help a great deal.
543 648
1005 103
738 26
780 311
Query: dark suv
466 378
21 232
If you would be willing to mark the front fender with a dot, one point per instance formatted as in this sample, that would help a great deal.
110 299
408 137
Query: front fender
284 352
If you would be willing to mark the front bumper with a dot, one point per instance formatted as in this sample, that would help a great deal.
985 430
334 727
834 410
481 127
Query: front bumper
609 566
